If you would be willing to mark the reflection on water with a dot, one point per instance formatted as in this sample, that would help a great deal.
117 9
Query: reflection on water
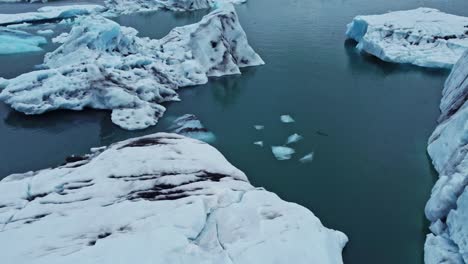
367 121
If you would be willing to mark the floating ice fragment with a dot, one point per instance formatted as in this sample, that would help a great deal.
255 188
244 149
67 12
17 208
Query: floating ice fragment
189 126
16 41
307 158
259 127
294 138
282 153
259 143
287 119
45 32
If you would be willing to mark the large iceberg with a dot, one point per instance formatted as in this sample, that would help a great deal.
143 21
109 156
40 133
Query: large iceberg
16 41
102 65
132 6
447 208
49 13
161 198
424 37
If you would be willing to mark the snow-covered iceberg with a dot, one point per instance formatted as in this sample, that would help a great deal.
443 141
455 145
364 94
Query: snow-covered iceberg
132 6
16 41
447 208
48 13
102 65
161 197
190 126
424 37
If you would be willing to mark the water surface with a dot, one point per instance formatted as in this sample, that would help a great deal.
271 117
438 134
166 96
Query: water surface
366 121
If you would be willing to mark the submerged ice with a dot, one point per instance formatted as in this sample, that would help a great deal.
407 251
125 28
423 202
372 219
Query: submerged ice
15 41
178 200
190 126
424 37
102 65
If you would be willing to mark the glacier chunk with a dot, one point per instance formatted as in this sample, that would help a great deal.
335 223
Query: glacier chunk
190 126
102 65
447 208
424 37
50 13
161 197
132 6
16 41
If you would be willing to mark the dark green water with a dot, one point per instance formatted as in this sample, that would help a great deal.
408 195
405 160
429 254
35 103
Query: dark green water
367 121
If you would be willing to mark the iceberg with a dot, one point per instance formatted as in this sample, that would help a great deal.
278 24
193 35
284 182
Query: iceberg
425 37
48 13
287 119
447 208
16 41
132 6
190 126
102 65
163 197
282 153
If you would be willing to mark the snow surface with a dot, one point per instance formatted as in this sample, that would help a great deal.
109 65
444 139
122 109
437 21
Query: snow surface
162 198
424 37
102 65
447 209
50 13
15 41
190 126
132 6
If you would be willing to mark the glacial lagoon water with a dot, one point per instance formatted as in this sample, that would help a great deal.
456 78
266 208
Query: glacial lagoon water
366 121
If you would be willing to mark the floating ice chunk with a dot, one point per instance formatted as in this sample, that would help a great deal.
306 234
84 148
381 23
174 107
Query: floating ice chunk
294 138
132 6
190 126
282 153
15 41
424 37
102 65
287 119
307 158
45 32
259 143
49 13
259 127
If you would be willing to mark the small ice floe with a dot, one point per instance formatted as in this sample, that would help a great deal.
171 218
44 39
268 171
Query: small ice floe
259 127
259 143
45 32
307 158
282 153
294 138
287 119
189 126
16 41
